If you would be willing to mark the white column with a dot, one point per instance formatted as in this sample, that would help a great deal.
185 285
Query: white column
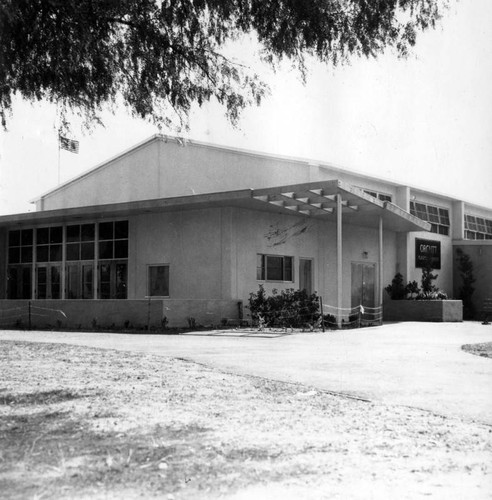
380 261
63 270
339 258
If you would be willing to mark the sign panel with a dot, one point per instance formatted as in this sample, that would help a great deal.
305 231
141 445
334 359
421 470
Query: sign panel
427 249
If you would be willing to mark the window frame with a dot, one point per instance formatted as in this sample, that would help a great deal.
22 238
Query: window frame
379 195
262 268
438 217
477 227
167 276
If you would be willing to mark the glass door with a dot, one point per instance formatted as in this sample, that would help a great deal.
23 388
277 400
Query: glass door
48 281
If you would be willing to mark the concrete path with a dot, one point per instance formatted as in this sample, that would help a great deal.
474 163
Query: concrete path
419 365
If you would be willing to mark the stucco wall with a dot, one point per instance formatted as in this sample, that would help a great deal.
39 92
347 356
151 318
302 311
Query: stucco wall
160 169
212 253
481 257
306 238
189 241
133 176
3 263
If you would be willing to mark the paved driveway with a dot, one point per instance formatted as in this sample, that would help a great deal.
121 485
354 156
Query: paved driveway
412 364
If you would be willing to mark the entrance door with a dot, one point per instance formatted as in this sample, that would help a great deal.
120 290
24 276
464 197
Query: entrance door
363 284
306 275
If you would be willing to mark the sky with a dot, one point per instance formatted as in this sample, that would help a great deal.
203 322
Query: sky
424 121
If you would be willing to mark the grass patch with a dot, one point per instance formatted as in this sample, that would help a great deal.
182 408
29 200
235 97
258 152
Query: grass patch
77 422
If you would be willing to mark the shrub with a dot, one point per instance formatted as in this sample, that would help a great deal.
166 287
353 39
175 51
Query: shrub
397 290
412 291
288 308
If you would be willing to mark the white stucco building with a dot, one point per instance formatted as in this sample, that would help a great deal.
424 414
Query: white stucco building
185 229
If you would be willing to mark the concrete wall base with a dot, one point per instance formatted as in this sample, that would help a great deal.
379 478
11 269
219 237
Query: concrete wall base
117 314
423 310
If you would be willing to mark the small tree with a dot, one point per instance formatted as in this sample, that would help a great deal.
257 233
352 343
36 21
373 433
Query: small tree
465 267
427 278
396 290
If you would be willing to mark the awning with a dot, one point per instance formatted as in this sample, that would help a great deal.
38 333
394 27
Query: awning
318 199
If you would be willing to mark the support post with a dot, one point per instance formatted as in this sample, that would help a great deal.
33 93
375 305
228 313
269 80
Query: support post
322 314
381 264
339 260
148 315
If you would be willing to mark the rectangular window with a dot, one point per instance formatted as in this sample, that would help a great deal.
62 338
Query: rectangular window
477 228
438 217
274 268
80 242
379 196
20 246
49 244
113 240
41 251
158 280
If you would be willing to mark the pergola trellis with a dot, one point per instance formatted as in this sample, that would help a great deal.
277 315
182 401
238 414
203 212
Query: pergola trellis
340 201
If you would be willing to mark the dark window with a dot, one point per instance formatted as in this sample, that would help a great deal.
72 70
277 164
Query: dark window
106 250
80 242
477 228
274 268
106 230
88 232
49 244
20 246
158 281
438 217
113 240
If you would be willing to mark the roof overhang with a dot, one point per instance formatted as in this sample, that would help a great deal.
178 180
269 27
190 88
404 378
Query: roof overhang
317 200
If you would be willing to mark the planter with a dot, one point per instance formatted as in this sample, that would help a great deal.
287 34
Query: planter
423 310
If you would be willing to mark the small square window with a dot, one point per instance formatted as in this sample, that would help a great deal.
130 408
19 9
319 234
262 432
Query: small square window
121 230
14 255
26 254
56 234
106 249
87 251
26 237
43 236
87 232
55 253
73 233
73 251
105 230
121 249
14 238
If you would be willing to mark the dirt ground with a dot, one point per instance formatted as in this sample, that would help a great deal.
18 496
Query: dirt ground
78 422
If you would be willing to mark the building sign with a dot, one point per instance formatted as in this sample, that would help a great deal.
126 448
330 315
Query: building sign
427 249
